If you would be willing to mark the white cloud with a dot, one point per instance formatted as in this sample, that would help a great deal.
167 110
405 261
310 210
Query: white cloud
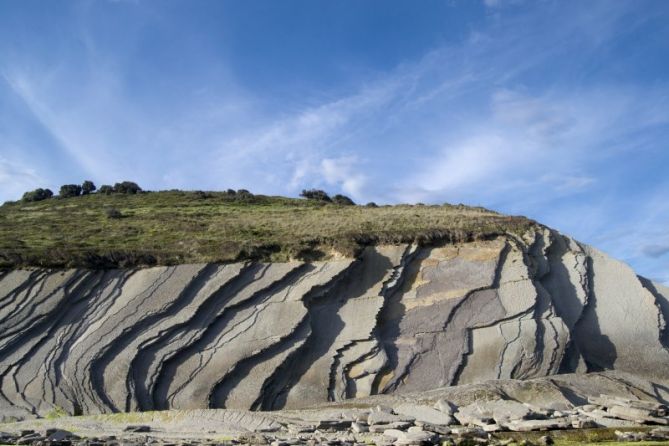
655 250
568 183
343 172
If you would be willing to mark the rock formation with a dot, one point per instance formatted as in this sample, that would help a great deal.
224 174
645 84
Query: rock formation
285 335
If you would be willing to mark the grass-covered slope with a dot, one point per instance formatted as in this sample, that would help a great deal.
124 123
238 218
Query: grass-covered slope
175 227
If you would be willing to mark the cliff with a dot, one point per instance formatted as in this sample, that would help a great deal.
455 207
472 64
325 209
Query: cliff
397 319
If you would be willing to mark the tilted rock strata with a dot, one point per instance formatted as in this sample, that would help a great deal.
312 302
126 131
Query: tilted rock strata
286 335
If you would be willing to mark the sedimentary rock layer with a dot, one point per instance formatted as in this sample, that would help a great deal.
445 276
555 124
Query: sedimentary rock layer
285 335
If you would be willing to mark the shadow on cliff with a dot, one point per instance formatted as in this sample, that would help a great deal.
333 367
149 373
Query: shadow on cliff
662 303
326 325
587 342
390 318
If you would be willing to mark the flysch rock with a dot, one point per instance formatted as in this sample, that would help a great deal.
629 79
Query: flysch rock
350 320
398 319
424 349
622 324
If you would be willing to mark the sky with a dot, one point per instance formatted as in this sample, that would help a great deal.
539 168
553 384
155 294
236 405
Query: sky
556 110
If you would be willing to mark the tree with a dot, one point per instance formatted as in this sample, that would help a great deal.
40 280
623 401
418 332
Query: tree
316 194
37 195
106 189
342 200
87 187
127 187
371 204
69 190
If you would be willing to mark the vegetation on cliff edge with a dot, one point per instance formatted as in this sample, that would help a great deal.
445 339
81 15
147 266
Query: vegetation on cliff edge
172 227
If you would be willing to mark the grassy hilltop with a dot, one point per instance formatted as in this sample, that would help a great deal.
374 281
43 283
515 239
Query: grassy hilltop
173 227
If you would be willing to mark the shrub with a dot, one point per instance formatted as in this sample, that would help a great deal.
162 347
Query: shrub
37 195
69 190
371 204
106 189
113 213
202 195
127 187
244 196
87 187
342 200
316 194
231 192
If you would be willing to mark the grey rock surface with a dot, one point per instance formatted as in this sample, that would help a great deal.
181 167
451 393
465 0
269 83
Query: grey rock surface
330 423
397 320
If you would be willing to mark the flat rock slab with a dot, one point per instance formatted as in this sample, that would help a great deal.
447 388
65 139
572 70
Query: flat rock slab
493 412
539 425
380 417
424 414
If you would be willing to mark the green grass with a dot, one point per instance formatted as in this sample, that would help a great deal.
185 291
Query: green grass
174 227
571 437
612 443
56 412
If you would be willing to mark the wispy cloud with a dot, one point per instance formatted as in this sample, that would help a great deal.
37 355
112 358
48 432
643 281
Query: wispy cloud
16 179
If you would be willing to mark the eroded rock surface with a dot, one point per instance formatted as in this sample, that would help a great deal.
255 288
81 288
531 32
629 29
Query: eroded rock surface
255 336
489 413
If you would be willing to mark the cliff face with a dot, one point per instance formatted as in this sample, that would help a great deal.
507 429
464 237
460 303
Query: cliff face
269 336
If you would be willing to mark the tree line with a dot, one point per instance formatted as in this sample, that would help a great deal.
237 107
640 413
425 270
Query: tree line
85 188
130 187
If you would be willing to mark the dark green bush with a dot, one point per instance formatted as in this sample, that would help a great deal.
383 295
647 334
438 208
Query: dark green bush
244 196
106 189
342 200
202 195
37 195
69 190
87 187
316 194
127 187
371 204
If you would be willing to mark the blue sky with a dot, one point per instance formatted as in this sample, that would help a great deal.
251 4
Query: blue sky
558 110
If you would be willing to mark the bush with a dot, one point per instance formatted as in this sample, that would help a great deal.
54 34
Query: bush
113 213
316 194
202 195
69 190
371 204
87 187
106 189
37 195
127 187
244 196
342 200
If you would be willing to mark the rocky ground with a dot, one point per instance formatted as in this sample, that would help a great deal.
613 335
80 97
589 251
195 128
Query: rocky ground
541 411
